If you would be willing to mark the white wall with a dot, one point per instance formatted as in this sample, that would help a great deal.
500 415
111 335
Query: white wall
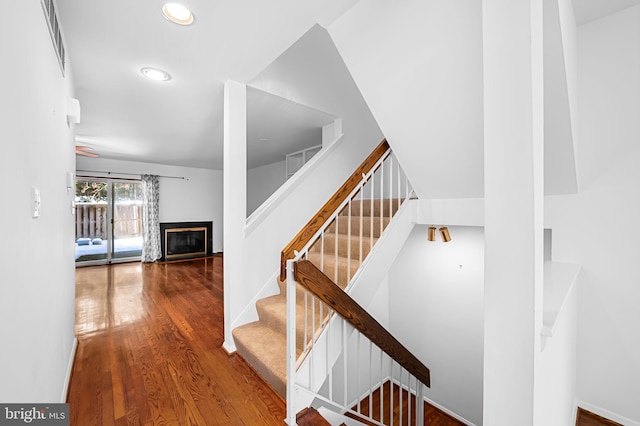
598 228
436 310
559 98
36 255
419 66
196 198
557 369
262 182
311 73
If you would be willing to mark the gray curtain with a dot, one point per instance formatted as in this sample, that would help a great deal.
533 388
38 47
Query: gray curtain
151 250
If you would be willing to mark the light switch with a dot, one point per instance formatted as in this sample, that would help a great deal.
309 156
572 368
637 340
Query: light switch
70 181
35 202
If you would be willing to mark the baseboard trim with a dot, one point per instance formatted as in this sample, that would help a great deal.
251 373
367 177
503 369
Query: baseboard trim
606 414
67 379
229 348
449 412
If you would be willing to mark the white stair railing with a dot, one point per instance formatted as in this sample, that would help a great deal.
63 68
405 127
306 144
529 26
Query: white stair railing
381 192
338 249
344 371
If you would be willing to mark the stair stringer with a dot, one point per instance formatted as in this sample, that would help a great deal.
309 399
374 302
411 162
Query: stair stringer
363 288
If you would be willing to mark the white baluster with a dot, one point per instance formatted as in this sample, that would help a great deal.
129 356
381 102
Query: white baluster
361 222
390 194
336 252
371 216
420 403
349 242
359 404
344 360
381 404
291 344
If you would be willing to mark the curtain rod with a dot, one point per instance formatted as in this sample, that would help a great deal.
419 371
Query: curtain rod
130 174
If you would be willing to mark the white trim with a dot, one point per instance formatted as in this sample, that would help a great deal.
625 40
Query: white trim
281 193
574 416
449 412
606 413
229 347
67 377
249 313
560 278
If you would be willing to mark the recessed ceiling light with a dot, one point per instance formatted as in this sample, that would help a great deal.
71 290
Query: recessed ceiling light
177 13
155 74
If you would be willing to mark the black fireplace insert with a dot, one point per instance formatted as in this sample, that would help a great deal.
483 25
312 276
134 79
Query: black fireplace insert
185 240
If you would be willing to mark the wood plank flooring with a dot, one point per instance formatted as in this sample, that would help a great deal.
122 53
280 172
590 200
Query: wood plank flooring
401 412
149 351
587 418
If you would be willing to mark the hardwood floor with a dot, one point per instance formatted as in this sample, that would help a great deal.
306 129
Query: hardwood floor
149 351
432 415
587 418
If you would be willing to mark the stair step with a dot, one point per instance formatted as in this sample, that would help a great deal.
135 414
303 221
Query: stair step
310 417
346 244
386 206
339 419
346 268
355 219
265 350
272 312
263 343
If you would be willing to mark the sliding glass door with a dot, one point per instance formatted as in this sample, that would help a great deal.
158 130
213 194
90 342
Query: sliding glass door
127 219
108 221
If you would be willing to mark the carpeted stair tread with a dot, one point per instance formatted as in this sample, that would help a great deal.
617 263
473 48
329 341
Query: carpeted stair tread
367 207
346 244
300 290
329 265
343 225
273 313
263 343
266 351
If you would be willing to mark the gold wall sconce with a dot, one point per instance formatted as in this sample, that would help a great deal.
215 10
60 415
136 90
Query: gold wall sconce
444 234
431 233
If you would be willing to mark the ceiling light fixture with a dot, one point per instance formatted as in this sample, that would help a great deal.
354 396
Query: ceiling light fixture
155 74
177 13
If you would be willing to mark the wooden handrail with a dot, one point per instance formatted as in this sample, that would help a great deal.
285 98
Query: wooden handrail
309 276
319 219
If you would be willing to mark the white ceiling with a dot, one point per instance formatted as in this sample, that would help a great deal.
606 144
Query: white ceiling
278 126
179 122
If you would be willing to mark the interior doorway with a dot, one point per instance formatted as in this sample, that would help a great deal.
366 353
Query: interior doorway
108 220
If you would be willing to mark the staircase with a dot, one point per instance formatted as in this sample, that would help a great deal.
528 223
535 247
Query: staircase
339 254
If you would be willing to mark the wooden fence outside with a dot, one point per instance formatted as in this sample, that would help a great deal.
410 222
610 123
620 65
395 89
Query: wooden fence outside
91 220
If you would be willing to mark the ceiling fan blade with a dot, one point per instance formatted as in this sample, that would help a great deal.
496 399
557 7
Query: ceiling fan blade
83 148
86 154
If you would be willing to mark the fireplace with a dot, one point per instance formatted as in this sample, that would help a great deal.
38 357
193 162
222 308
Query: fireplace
185 240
